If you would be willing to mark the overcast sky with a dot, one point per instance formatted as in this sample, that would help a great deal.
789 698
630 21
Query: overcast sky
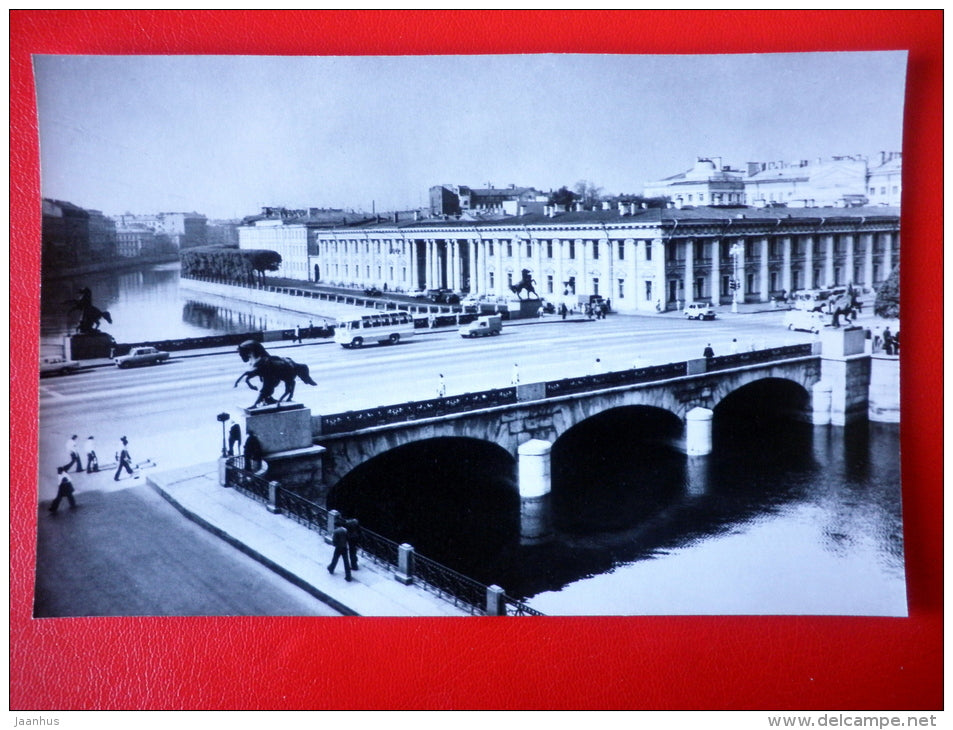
226 135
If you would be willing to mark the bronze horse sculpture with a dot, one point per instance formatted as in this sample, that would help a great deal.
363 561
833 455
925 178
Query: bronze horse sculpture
525 284
89 315
846 306
272 370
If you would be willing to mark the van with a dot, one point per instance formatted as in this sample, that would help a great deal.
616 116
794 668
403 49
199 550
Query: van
482 326
800 319
699 310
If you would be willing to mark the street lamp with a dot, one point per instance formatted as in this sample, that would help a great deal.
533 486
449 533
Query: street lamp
222 418
736 252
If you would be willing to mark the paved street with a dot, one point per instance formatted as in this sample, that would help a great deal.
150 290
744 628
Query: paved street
126 551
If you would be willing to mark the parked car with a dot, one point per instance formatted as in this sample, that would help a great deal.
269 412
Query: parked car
373 292
699 310
141 356
482 326
54 365
800 319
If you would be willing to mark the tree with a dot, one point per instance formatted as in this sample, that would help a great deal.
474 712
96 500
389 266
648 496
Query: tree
887 303
264 260
588 193
564 196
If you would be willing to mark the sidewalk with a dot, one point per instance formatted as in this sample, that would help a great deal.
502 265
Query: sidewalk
290 549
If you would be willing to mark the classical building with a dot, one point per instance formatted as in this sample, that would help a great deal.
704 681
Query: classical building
644 260
135 241
883 181
707 183
174 231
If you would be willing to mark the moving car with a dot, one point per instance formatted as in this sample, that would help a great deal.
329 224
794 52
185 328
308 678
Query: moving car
57 365
482 326
699 310
141 356
799 319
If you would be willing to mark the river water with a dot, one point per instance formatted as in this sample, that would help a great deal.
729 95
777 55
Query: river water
789 519
147 305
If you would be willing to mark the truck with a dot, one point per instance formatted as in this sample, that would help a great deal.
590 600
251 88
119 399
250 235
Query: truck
482 326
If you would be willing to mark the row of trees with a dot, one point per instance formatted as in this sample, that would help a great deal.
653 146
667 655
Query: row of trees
591 196
232 265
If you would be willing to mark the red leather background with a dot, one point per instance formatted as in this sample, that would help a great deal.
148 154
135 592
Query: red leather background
711 663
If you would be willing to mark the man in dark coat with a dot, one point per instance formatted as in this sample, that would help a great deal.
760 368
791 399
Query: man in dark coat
234 438
123 459
253 453
339 540
353 540
64 491
709 353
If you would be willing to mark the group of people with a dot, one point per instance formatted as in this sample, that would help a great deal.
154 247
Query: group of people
252 450
889 341
346 539
65 488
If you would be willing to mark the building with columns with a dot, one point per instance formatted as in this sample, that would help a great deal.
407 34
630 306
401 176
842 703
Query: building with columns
643 260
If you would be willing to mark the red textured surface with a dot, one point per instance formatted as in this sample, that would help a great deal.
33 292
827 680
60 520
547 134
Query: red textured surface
602 663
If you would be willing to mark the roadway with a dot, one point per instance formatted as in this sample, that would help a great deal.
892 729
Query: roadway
142 557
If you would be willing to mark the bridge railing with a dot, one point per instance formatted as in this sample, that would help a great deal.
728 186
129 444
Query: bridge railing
333 423
402 560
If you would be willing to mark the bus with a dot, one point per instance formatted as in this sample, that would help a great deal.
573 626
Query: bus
381 327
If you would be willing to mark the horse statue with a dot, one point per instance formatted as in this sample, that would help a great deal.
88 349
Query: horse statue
846 306
526 284
272 370
90 316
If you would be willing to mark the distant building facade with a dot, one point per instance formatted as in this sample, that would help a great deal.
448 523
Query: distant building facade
135 241
72 235
839 182
462 199
643 260
174 231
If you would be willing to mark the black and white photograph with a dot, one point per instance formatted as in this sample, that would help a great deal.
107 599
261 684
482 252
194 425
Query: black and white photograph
497 335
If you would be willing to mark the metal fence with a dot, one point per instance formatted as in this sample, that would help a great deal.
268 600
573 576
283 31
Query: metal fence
427 574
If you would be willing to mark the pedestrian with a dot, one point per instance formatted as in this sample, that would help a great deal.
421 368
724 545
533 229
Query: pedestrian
888 341
234 437
72 450
92 461
563 310
353 540
123 459
310 328
709 353
339 540
441 386
252 453
63 490
297 334
515 377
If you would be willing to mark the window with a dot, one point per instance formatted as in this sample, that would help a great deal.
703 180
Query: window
648 291
490 275
595 285
549 283
572 249
621 293
595 249
648 250
509 249
491 248
509 278
549 249
529 249
621 250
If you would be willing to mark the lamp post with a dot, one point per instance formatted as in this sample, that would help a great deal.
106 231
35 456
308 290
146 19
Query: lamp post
736 251
222 418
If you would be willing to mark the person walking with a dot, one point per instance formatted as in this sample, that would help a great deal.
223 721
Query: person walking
253 452
92 461
234 437
339 540
122 456
72 450
709 353
441 386
353 540
63 491
297 334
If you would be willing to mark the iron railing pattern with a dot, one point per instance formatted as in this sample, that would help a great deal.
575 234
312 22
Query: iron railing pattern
585 383
402 412
244 480
428 574
755 357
